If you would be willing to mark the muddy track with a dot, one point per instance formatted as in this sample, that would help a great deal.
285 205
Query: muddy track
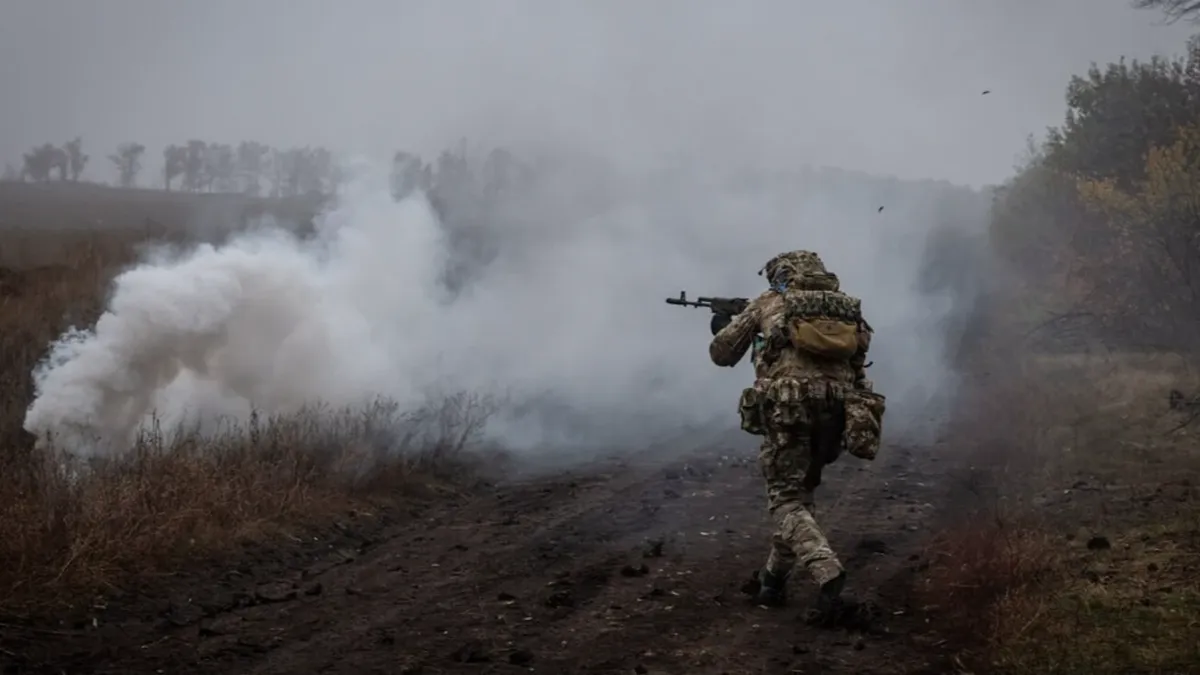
628 569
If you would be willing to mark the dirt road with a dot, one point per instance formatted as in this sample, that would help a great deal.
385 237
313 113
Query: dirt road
624 568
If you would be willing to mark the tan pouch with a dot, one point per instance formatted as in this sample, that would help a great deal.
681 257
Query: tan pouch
827 338
750 408
864 423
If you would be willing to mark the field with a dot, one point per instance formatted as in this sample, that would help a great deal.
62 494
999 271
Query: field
1055 527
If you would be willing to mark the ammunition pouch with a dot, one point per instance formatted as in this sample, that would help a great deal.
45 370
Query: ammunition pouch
864 423
785 402
751 410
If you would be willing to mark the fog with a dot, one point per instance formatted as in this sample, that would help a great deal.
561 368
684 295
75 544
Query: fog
674 144
878 86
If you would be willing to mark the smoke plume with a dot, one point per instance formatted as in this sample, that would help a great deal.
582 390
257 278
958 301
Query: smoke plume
563 316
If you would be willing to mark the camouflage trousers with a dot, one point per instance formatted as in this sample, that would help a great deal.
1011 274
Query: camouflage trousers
792 461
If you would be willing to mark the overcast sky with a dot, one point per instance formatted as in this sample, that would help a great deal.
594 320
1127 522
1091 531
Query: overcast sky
890 86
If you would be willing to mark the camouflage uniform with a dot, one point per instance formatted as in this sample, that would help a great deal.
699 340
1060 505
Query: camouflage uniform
810 344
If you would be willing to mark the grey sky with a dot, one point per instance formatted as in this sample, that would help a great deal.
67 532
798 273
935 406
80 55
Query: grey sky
880 85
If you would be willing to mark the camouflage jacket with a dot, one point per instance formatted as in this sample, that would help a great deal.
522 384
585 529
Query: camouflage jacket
763 325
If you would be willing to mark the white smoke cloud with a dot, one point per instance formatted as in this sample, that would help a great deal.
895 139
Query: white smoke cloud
567 321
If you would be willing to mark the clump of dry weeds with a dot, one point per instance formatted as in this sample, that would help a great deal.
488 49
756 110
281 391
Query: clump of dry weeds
979 569
71 528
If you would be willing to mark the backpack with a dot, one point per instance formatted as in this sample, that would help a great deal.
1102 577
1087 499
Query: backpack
824 324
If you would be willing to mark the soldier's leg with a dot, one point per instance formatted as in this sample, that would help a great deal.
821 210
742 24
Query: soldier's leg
800 529
826 438
786 459
825 435
778 469
779 475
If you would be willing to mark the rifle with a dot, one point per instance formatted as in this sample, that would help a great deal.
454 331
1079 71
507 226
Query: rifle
723 309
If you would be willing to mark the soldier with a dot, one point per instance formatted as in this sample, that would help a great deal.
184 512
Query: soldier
810 400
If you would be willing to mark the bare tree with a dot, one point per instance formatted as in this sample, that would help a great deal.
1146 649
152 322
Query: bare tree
1174 10
174 164
128 161
319 173
252 161
76 159
194 178
220 168
292 171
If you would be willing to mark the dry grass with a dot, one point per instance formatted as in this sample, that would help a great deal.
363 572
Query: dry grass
978 570
1134 608
1080 558
70 530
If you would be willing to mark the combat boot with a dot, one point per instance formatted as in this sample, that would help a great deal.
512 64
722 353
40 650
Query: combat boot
830 595
772 589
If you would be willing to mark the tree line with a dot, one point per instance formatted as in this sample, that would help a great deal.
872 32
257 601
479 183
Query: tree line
249 167
258 169
1101 228
43 162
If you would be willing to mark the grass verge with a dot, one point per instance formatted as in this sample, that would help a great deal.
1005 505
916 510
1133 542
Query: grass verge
71 529
1081 557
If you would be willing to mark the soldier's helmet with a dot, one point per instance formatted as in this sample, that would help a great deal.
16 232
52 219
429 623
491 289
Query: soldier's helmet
795 266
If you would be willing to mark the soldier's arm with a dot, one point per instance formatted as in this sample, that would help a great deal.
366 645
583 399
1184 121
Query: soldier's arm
859 360
731 343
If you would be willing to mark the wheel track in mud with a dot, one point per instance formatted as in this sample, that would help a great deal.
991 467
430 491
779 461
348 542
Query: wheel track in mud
546 576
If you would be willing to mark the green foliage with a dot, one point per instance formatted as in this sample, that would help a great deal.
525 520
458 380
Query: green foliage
1102 224
1028 217
1151 269
1116 114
